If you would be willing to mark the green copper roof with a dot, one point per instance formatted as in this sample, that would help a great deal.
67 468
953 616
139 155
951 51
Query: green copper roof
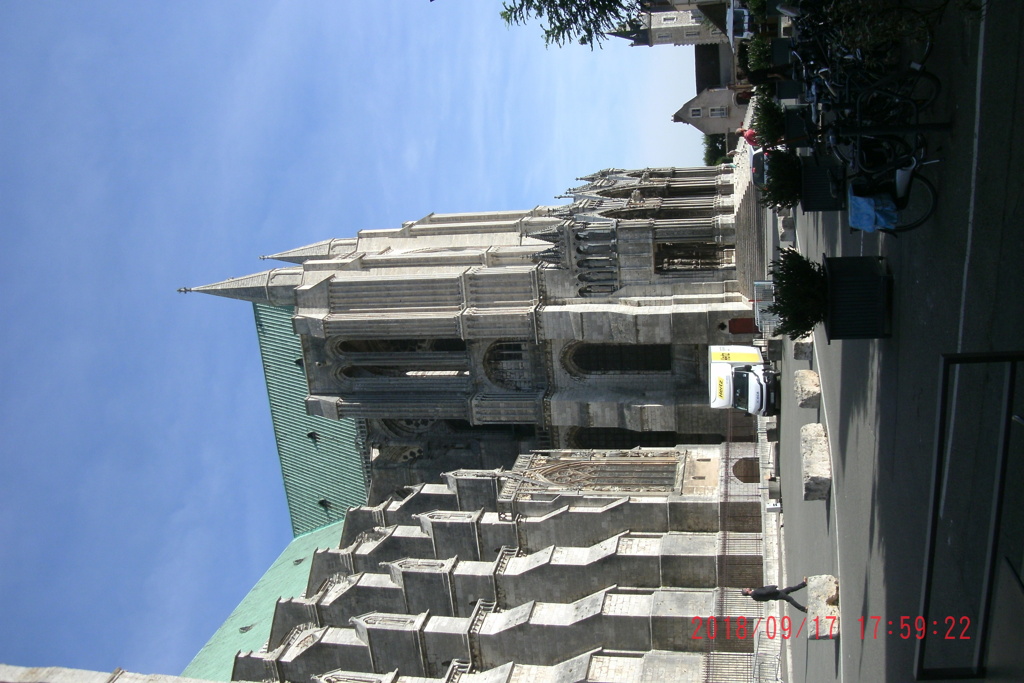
320 458
248 627
326 468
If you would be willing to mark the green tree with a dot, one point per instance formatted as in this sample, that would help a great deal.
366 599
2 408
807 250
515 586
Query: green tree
714 149
587 22
769 120
801 293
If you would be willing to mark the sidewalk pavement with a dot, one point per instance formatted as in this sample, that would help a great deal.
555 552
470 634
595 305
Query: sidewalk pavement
958 285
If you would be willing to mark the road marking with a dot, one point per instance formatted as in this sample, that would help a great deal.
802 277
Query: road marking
970 240
974 178
832 488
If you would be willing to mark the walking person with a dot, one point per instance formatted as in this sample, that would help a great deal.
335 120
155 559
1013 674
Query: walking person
766 593
749 135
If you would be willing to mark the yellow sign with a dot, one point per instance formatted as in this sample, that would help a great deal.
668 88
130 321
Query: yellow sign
736 357
721 387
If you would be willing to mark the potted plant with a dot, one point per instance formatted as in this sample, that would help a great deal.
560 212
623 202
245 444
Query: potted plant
800 293
759 53
783 177
850 295
769 120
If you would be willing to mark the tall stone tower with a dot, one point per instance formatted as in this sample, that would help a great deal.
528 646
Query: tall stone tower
551 496
464 340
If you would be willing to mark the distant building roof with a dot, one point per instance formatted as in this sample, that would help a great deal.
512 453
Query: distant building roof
321 459
717 13
707 66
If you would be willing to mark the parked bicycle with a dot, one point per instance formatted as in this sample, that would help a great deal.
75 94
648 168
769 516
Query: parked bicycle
892 197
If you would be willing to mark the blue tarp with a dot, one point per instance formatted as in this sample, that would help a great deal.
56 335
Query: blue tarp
876 212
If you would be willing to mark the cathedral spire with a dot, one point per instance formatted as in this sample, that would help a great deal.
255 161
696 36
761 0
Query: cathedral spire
325 249
275 287
553 235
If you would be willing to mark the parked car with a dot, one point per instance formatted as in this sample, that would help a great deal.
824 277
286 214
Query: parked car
758 167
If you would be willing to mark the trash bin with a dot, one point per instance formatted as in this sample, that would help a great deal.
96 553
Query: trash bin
859 298
818 186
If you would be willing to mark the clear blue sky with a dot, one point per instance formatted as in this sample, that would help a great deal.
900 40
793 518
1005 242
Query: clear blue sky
146 146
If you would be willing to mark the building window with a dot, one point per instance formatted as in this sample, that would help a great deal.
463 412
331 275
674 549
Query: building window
591 359
747 470
664 36
598 289
616 437
718 112
695 113
615 474
507 365
692 32
613 437
339 346
673 257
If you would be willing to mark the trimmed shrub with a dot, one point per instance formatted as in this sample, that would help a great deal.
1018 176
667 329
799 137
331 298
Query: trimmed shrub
801 293
759 52
782 180
769 120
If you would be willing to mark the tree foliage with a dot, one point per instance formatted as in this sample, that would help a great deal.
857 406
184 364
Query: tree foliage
758 10
801 293
587 22
768 120
759 52
714 149
782 183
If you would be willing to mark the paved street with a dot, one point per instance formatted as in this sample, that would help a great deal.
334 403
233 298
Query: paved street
958 287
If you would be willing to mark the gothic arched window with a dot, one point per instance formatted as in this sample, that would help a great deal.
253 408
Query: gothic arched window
590 359
615 437
676 257
616 474
595 289
595 248
339 346
747 470
507 364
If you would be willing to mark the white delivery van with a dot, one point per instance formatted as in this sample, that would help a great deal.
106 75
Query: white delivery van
739 377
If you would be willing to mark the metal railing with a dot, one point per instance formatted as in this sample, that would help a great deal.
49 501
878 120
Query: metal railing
767 658
764 296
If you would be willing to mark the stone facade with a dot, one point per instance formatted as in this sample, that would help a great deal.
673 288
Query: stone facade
673 27
564 566
549 366
463 340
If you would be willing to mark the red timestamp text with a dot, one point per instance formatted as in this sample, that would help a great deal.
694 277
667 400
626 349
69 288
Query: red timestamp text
916 628
741 628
